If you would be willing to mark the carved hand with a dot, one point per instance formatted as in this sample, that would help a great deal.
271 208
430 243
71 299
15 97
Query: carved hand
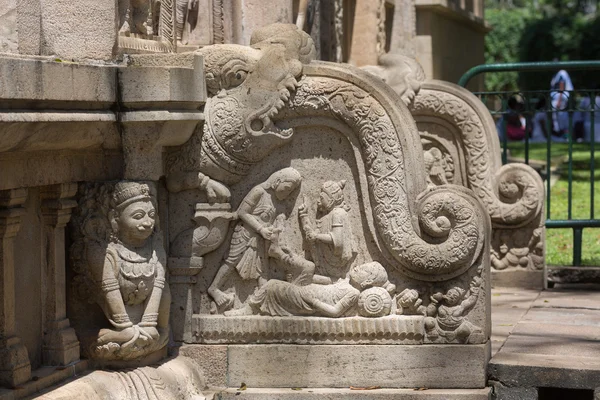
266 232
303 208
124 336
311 235
150 332
216 192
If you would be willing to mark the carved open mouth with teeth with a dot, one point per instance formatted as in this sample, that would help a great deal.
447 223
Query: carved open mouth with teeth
262 121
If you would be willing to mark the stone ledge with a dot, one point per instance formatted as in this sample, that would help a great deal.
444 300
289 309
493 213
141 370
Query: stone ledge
518 278
218 329
43 378
342 366
341 394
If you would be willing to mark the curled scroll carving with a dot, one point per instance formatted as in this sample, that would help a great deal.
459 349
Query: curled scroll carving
514 194
452 222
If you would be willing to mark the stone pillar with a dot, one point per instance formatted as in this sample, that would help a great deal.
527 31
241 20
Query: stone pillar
61 346
249 15
68 29
366 33
14 360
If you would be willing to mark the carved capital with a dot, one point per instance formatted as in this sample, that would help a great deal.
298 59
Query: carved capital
11 211
57 203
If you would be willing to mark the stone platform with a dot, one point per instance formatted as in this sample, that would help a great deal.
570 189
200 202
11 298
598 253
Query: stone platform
342 366
342 394
545 339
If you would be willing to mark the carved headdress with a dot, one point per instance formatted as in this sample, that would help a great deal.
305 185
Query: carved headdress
126 193
335 190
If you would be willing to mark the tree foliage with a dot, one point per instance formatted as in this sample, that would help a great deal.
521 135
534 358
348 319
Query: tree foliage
541 30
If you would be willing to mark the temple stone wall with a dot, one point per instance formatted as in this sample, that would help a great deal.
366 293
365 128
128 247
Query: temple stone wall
450 41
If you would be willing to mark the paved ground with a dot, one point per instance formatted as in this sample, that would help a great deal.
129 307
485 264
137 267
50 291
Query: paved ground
546 338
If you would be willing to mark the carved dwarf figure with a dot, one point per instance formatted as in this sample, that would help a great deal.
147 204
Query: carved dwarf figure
124 260
446 314
518 250
249 243
331 243
135 16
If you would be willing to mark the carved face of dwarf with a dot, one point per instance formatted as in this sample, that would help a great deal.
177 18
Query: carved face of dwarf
136 222
453 297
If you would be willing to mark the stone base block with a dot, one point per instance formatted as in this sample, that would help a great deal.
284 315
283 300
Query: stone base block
61 346
519 278
342 366
342 394
14 363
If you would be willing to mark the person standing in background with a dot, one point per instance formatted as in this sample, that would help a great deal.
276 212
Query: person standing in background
560 88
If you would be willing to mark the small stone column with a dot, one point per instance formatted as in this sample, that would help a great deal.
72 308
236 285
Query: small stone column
61 346
14 360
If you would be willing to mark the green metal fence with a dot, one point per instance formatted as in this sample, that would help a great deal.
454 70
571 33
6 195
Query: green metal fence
539 111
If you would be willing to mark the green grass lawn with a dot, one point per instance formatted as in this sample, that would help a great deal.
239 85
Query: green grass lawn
559 242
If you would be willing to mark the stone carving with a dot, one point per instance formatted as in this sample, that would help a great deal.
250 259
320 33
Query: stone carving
518 248
449 215
439 164
120 260
392 329
446 313
410 303
146 26
513 193
248 86
403 73
331 244
249 243
420 235
176 379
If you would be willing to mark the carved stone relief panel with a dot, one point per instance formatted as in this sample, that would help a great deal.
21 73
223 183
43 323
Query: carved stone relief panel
332 221
119 296
513 193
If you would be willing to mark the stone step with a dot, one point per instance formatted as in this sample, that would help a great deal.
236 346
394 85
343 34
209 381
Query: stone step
342 394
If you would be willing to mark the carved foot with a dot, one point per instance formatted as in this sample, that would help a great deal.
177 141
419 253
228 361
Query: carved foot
245 310
223 300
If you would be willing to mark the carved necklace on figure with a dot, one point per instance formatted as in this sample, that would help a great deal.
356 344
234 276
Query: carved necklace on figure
136 271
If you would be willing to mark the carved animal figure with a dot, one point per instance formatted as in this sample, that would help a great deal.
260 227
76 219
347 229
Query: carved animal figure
247 87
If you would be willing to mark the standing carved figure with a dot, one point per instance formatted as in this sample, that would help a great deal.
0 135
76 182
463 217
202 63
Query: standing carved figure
247 251
121 258
332 244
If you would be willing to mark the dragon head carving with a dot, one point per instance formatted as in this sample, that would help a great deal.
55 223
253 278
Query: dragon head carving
247 88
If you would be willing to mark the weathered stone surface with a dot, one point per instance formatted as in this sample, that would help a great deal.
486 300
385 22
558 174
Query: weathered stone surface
67 29
212 361
172 380
518 278
393 366
501 392
340 394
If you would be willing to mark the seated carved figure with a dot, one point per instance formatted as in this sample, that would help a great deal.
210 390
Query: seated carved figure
121 261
